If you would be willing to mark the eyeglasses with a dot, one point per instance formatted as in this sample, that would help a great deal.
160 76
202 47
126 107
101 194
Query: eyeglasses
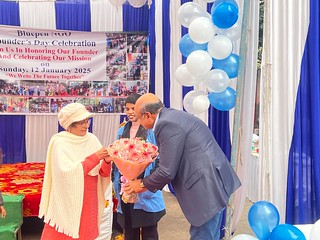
84 123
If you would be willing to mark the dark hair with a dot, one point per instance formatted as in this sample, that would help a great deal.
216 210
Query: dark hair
132 98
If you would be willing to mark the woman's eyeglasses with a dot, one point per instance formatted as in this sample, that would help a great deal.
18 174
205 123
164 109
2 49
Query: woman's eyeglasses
84 123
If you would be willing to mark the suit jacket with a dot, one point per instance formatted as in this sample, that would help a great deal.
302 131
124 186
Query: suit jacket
190 158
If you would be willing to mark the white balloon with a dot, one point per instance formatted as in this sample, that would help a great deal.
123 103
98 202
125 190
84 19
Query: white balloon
217 80
233 33
209 1
200 78
137 3
199 62
185 78
315 231
194 105
201 30
244 237
201 103
220 47
190 11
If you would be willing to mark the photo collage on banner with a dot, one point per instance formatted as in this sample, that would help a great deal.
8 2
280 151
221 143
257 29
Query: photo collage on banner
45 73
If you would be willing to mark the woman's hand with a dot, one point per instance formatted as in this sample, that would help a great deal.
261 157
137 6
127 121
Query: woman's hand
108 159
103 153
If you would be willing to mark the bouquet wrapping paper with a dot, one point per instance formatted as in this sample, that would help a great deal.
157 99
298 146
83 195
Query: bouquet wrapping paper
132 156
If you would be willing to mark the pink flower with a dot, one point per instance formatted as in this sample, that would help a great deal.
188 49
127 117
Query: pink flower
132 155
133 149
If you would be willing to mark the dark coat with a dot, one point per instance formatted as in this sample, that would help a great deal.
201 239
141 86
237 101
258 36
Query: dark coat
201 175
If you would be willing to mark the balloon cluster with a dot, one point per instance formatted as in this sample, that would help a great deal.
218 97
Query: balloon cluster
208 49
264 220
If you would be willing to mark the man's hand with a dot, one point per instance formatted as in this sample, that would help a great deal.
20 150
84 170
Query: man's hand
134 186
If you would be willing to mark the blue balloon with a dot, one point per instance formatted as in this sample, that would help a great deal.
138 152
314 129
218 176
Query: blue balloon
221 1
263 217
224 13
230 65
286 232
223 101
187 46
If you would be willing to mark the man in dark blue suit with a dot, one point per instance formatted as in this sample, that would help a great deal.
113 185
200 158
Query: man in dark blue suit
190 158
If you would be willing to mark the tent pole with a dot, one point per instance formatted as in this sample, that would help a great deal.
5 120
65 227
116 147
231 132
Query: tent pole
237 111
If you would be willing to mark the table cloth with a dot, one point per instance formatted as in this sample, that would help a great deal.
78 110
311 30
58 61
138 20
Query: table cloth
26 179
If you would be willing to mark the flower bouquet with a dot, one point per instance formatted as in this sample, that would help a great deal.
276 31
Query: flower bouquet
132 156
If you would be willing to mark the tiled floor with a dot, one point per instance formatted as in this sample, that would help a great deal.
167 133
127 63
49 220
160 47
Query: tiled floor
173 226
243 225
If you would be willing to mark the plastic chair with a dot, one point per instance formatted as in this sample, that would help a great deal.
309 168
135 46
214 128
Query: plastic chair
10 226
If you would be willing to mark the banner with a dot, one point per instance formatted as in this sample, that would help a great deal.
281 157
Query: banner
51 55
43 70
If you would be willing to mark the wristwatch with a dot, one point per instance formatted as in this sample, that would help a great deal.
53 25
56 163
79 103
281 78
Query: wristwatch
142 185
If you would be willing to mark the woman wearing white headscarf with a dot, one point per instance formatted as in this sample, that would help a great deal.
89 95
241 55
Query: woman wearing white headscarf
76 176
